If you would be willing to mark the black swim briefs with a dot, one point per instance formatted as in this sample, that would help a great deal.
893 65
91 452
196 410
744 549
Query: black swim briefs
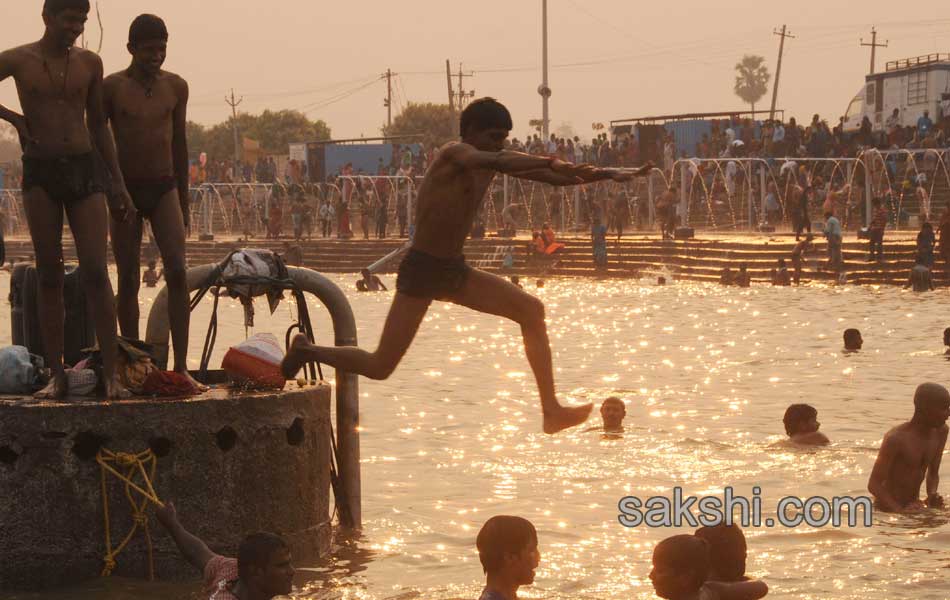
148 193
66 179
422 275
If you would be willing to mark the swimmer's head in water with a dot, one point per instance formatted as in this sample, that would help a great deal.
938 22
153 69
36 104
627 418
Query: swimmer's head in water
265 566
661 280
946 336
148 43
727 551
515 280
485 124
365 273
680 566
540 283
800 418
65 20
509 546
613 411
853 339
931 405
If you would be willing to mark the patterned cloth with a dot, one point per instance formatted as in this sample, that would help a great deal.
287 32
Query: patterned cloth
219 573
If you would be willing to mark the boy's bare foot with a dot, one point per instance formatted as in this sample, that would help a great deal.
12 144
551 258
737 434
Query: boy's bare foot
565 417
115 390
198 385
296 356
57 389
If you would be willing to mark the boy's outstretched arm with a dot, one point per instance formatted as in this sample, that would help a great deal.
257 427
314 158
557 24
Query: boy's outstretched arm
506 161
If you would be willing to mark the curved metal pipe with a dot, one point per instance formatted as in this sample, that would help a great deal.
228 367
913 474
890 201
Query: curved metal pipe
347 384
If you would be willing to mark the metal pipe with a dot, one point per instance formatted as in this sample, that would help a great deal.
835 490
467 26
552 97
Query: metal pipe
347 384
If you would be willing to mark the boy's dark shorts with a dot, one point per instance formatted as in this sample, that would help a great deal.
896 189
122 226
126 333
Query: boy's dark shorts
422 275
66 179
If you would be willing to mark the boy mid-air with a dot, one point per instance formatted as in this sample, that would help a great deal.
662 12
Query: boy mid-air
435 269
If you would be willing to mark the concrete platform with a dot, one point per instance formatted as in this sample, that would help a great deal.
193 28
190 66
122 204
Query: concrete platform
233 463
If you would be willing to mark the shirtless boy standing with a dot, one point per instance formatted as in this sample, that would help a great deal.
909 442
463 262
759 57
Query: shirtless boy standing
911 453
68 157
435 268
147 109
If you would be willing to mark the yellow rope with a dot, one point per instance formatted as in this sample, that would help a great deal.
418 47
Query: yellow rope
133 465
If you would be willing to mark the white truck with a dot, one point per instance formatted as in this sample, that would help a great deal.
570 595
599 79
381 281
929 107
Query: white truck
911 85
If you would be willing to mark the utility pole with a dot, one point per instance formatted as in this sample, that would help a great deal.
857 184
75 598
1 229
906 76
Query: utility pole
388 102
874 46
448 79
234 125
778 69
544 90
462 96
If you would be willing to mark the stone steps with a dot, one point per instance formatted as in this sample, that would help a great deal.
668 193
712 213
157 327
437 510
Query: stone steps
700 260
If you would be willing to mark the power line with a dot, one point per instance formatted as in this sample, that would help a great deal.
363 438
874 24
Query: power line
339 97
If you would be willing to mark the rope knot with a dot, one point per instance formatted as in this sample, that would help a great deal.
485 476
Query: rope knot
108 565
126 460
140 519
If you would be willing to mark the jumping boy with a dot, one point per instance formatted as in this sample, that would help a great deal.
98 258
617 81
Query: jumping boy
435 268
69 163
147 109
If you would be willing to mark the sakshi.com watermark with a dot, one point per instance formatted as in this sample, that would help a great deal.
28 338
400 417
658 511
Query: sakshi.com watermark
733 509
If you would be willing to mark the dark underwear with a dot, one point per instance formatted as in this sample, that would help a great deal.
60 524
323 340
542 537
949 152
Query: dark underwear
147 194
66 179
422 275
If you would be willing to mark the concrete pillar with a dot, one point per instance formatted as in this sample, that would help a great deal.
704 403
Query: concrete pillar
231 462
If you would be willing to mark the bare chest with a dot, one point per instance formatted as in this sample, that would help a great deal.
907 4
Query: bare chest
60 81
136 103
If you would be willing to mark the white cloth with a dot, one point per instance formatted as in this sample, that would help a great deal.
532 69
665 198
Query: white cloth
16 370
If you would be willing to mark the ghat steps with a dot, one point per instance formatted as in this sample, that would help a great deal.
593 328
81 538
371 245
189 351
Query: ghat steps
639 255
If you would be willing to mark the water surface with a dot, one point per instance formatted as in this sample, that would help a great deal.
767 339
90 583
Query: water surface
706 373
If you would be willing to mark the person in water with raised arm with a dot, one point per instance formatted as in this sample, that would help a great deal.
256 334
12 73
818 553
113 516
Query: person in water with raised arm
435 269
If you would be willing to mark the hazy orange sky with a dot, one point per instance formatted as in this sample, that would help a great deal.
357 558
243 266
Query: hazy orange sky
610 58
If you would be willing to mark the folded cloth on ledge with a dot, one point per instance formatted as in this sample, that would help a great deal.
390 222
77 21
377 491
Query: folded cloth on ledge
168 384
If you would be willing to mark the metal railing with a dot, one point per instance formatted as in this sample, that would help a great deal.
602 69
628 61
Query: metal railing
717 194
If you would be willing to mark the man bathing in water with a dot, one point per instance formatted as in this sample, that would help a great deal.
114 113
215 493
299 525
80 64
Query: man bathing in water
66 140
147 109
911 453
435 268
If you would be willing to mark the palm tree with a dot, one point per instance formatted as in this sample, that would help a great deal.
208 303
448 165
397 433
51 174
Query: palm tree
752 79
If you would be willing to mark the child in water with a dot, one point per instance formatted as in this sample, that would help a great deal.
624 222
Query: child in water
853 340
151 276
801 425
682 567
613 411
508 550
727 555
